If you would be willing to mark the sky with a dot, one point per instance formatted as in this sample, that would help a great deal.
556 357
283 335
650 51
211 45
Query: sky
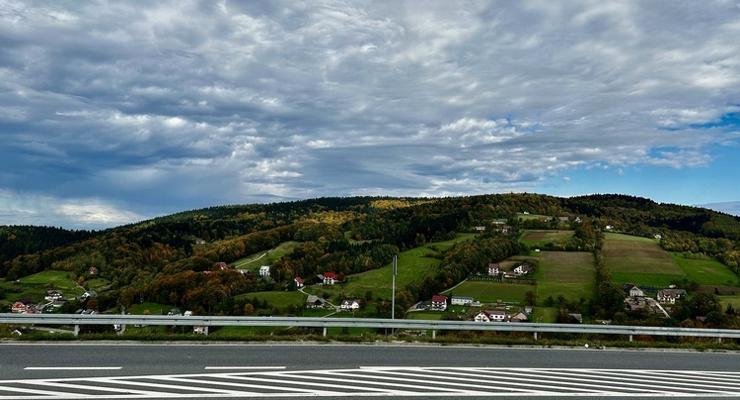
114 112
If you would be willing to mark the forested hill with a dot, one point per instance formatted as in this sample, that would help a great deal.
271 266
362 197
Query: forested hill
346 235
18 240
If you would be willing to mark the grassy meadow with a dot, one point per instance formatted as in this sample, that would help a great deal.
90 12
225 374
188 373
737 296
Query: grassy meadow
539 238
255 261
705 270
632 259
280 299
413 266
570 274
492 291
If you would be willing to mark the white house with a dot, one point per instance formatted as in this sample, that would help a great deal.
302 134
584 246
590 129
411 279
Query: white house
490 316
330 278
670 296
461 301
298 282
479 228
658 236
636 292
265 271
350 305
609 228
439 302
523 269
200 330
494 269
314 301
53 295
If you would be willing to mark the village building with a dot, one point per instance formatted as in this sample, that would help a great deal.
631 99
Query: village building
349 305
330 278
19 307
314 301
298 282
494 269
461 301
634 291
490 316
523 269
265 271
439 302
519 317
670 296
221 266
53 295
92 271
480 228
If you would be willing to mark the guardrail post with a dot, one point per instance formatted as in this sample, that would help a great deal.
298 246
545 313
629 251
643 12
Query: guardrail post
77 330
631 338
324 333
719 339
434 334
535 336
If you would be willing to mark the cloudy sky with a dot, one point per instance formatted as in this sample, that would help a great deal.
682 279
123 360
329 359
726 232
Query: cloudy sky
111 112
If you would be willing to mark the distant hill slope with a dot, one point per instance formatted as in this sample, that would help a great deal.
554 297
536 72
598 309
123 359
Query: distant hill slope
18 240
163 259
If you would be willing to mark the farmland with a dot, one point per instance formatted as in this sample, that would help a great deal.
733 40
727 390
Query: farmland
704 270
254 261
413 266
632 259
492 291
567 274
539 238
278 299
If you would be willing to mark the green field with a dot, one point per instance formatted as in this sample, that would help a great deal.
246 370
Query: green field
280 299
535 238
729 300
427 315
570 274
149 308
492 291
632 259
413 266
705 270
61 280
530 217
544 314
97 284
254 261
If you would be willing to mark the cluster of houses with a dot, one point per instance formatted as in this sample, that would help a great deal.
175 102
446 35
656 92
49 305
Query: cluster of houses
495 270
637 300
502 316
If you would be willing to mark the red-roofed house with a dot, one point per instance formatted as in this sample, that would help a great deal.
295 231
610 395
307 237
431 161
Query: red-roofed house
331 278
19 307
439 302
298 282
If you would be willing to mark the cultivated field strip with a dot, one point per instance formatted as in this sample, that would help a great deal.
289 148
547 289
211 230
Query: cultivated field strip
387 381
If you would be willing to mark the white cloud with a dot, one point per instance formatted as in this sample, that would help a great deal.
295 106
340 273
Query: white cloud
228 102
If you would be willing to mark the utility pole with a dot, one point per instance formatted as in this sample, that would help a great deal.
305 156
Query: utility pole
393 295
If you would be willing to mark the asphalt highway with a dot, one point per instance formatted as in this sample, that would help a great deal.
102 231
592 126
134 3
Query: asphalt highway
337 371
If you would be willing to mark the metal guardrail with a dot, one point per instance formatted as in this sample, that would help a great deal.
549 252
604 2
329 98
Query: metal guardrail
208 321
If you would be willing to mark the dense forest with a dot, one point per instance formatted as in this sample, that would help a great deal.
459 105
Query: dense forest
171 259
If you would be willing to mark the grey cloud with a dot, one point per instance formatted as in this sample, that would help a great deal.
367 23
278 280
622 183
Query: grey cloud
171 105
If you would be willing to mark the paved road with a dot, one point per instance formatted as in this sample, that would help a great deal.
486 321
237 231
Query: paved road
57 371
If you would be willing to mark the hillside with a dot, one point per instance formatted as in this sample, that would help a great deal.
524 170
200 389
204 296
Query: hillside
174 260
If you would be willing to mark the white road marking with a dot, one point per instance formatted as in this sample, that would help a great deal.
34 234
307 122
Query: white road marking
380 381
71 368
243 368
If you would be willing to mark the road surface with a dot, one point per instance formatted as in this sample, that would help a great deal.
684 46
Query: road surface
154 371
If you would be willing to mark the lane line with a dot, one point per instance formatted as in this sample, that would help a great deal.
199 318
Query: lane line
270 387
176 387
72 368
300 383
244 368
412 385
96 388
